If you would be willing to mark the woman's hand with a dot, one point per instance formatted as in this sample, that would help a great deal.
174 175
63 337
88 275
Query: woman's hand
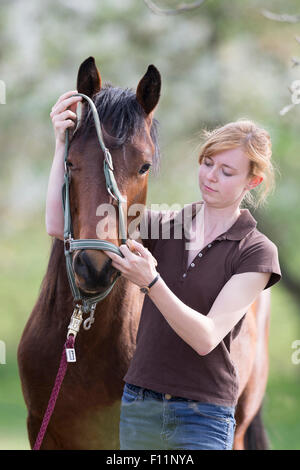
138 268
63 118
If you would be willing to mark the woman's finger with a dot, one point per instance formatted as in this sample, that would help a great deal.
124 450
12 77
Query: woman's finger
64 124
127 253
112 255
67 94
140 248
118 266
143 251
63 105
68 114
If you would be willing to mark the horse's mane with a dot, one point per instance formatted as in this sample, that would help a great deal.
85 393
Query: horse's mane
120 108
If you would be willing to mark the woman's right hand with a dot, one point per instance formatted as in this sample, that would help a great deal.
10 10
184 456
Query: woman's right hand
62 117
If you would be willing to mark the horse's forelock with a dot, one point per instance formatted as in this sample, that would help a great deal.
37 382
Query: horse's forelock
126 118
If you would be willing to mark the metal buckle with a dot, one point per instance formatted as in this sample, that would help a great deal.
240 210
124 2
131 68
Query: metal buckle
75 322
90 320
67 244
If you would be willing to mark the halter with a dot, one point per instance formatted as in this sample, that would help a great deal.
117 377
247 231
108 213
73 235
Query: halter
70 245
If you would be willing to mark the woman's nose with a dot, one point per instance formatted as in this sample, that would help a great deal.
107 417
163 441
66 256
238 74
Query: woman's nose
212 174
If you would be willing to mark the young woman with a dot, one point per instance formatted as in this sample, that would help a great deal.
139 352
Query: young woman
181 387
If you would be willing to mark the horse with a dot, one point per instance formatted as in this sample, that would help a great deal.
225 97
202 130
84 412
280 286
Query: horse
87 410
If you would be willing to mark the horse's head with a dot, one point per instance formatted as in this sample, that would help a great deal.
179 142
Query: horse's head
130 134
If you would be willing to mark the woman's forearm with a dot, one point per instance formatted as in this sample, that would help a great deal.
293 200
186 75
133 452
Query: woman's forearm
193 327
63 116
54 217
196 329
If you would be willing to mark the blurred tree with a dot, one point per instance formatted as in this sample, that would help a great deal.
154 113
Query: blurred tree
219 62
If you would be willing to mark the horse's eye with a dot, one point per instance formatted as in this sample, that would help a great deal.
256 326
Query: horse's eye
144 168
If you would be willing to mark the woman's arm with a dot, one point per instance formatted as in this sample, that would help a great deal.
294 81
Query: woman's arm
62 118
202 332
54 217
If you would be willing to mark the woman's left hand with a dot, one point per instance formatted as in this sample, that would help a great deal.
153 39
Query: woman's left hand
138 268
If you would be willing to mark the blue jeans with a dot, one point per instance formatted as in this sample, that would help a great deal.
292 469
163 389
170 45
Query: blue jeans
151 420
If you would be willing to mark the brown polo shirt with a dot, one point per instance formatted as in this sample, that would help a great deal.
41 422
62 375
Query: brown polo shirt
162 360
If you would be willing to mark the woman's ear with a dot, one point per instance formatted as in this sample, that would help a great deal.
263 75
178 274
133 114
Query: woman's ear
254 181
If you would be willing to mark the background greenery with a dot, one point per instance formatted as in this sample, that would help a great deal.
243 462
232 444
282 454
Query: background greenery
218 63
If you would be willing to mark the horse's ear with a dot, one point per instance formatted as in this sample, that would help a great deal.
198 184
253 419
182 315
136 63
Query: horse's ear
88 78
148 90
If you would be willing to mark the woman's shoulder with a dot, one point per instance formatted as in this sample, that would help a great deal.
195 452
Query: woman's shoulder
257 253
257 239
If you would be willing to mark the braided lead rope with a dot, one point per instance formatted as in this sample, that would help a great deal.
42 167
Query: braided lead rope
58 382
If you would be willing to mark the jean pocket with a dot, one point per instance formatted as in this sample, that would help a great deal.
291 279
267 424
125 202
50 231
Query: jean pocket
129 394
210 411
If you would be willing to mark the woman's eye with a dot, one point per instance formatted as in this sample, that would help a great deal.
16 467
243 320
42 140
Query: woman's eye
210 164
144 168
69 164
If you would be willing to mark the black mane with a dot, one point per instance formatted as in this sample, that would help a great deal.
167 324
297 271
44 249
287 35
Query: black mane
120 108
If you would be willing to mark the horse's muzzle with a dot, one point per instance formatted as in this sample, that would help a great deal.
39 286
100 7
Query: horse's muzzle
93 271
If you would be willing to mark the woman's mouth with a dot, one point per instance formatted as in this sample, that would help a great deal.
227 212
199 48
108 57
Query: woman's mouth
209 189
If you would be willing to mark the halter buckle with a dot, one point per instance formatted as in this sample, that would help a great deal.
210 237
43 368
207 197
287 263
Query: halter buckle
67 244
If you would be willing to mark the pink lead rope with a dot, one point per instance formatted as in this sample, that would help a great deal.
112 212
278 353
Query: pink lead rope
67 356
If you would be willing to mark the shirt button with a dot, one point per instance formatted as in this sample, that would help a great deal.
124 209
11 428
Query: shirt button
184 275
168 396
192 264
209 245
200 254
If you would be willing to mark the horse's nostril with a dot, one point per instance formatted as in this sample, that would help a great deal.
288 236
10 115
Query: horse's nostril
91 275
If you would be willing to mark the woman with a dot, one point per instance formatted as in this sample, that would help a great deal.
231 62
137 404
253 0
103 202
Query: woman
181 387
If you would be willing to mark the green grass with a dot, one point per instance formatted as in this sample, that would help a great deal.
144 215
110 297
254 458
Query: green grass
281 412
24 254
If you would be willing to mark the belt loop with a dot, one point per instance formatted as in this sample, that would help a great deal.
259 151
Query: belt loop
141 393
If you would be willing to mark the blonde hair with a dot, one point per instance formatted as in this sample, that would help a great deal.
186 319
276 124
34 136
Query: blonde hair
256 143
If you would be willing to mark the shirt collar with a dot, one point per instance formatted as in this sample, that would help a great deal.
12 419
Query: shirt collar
241 227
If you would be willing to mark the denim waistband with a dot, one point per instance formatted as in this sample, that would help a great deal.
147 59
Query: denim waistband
157 395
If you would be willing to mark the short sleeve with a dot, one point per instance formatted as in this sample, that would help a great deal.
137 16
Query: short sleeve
261 257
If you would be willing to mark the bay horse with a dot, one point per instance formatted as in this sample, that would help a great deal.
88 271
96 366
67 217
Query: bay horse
86 414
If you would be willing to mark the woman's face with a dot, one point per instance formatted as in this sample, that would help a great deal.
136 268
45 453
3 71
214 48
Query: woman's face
226 173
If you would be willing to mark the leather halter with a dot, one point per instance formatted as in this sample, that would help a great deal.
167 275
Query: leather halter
70 244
